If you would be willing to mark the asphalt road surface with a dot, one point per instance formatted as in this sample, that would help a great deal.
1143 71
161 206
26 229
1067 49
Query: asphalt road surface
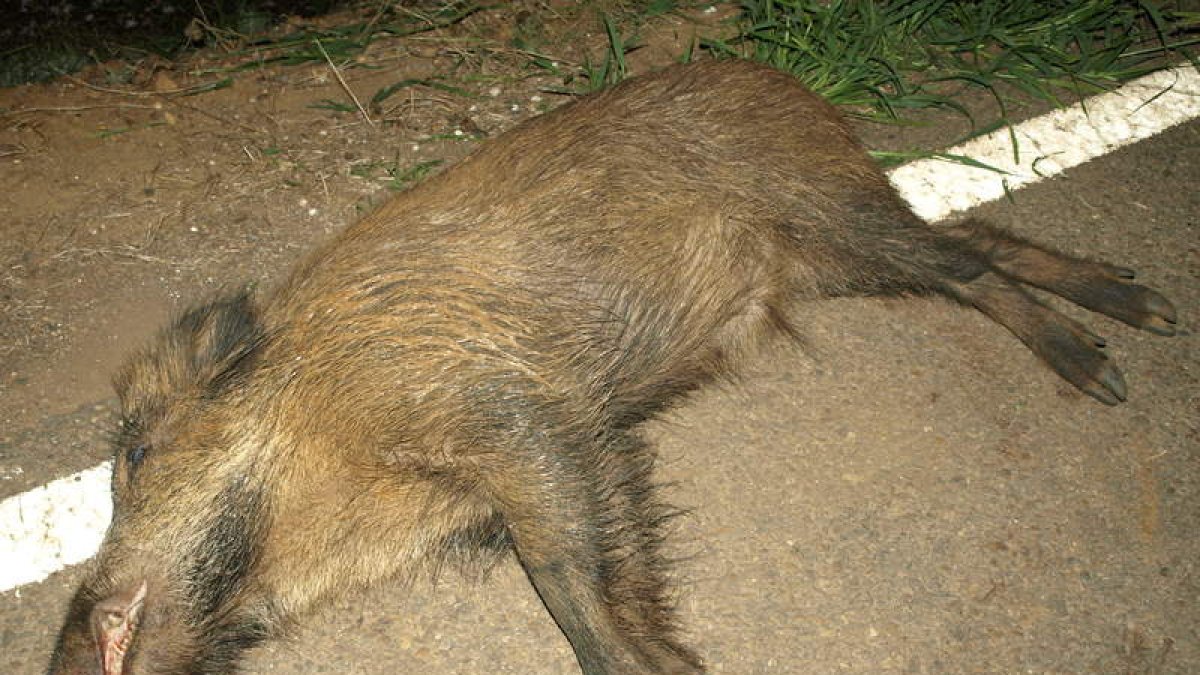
912 492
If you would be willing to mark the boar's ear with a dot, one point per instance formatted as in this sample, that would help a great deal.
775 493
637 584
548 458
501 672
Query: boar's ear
200 354
218 338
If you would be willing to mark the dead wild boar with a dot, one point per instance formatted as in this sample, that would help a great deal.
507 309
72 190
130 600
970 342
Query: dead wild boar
462 372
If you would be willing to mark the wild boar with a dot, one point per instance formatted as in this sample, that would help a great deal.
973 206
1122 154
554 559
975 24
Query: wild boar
463 371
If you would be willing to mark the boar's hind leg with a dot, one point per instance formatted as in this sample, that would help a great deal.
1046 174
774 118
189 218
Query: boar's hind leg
982 266
584 527
1067 347
1096 286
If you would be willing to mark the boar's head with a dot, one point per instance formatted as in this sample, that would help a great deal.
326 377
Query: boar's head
173 588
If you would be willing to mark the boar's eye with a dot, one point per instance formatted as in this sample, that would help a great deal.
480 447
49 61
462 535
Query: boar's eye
135 455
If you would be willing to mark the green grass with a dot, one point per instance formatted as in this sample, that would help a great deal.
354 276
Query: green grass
593 74
432 82
398 178
896 158
609 70
621 23
889 57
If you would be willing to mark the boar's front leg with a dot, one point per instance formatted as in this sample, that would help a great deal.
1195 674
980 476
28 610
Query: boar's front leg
583 522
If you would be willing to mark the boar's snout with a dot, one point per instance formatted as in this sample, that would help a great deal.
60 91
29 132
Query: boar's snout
114 622
98 633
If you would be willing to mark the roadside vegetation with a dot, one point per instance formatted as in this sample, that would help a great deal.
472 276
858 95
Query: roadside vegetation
890 57
887 60
881 58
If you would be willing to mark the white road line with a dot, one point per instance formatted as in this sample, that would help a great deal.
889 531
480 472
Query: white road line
63 522
49 527
1050 144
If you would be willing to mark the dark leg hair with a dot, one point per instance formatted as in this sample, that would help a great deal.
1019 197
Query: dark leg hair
984 267
584 522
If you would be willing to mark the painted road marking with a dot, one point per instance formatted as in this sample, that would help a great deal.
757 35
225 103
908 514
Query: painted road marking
1050 144
62 523
49 527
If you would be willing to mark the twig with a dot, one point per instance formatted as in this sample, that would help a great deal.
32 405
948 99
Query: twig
196 88
491 46
89 85
219 118
119 252
345 86
81 108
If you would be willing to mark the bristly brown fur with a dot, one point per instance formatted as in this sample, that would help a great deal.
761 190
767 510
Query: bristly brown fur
463 371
